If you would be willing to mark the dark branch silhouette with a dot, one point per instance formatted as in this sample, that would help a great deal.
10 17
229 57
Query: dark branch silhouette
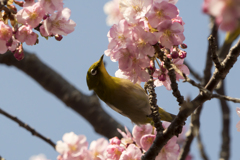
87 106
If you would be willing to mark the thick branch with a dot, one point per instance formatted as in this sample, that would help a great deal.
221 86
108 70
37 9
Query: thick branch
27 127
87 106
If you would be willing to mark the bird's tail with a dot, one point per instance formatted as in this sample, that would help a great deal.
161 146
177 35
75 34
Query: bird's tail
165 116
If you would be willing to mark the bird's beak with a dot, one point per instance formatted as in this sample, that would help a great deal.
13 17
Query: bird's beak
101 59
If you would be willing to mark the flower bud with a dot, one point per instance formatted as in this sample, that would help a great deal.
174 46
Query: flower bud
58 37
182 54
19 54
183 46
174 54
162 77
45 16
9 42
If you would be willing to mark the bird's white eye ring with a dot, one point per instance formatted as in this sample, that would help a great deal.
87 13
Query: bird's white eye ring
93 72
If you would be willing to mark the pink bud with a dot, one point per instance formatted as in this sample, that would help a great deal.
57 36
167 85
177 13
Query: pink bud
162 77
58 37
9 42
19 54
45 16
174 54
183 46
182 54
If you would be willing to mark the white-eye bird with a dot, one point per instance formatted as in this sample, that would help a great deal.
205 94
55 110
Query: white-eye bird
122 95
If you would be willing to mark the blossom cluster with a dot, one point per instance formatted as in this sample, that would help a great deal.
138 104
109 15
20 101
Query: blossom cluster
226 13
141 25
131 146
46 16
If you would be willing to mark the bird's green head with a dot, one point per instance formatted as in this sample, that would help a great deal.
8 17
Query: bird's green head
96 73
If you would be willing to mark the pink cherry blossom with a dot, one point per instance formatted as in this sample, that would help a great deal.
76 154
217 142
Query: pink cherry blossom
97 148
125 58
113 152
19 53
43 31
13 45
72 145
139 131
160 12
115 140
226 12
5 31
147 141
38 157
51 5
170 33
111 8
134 10
118 36
3 46
170 151
31 15
25 34
132 152
238 124
143 41
159 82
127 137
182 67
59 23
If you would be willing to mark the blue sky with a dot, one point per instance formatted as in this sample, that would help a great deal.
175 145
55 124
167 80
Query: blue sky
23 97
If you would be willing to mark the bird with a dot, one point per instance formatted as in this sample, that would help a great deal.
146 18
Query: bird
122 95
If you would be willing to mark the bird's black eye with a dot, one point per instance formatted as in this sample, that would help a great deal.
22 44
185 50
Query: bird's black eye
93 72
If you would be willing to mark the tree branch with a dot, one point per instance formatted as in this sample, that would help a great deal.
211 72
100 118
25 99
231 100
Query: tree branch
187 108
235 100
225 149
87 106
27 127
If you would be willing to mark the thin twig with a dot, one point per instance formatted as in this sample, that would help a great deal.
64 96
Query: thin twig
235 100
213 48
27 127
225 148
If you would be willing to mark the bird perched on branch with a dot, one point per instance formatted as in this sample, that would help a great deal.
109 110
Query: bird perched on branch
122 95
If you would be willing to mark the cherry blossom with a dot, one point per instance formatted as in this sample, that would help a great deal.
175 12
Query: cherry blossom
111 8
25 34
51 5
147 141
226 12
72 145
134 10
182 67
170 151
160 12
170 33
139 131
59 23
97 148
113 152
132 152
31 15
